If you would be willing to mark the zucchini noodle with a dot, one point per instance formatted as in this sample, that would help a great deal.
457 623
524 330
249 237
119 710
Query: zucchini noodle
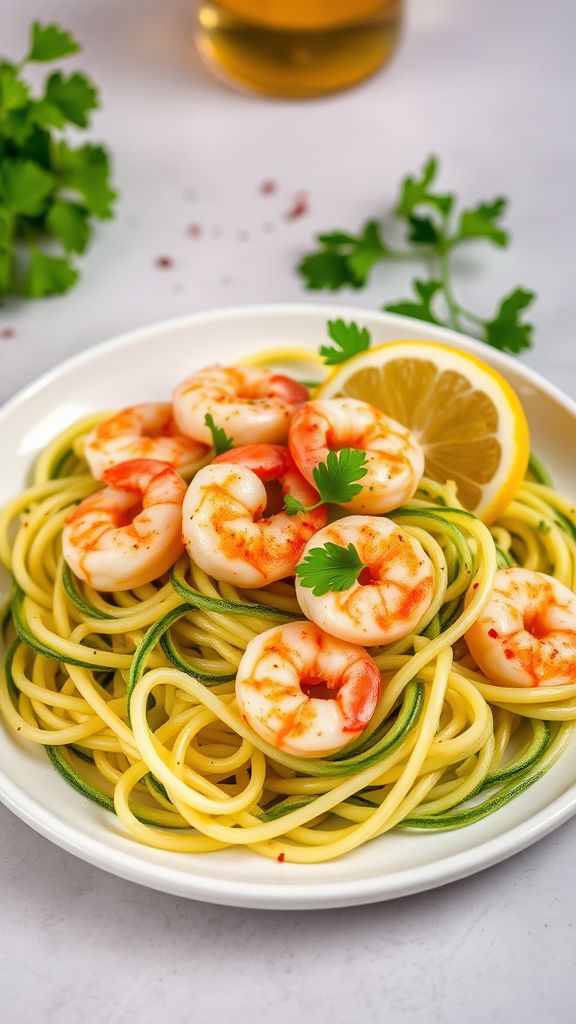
132 693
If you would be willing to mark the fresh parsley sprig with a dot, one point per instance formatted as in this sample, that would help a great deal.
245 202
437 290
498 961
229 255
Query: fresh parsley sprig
336 480
349 340
434 230
330 568
221 442
50 191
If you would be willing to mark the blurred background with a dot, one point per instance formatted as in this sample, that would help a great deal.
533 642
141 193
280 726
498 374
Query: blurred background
221 191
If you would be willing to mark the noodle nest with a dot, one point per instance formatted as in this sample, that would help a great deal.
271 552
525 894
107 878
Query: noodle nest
132 693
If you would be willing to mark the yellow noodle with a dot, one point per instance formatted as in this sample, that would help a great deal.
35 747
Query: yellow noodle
185 771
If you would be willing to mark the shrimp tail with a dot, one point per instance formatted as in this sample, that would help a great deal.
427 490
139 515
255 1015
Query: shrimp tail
359 695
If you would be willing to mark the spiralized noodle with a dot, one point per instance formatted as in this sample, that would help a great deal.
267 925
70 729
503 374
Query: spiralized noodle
132 693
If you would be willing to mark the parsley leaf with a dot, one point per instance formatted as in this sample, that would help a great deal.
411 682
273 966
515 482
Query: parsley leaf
506 331
69 223
49 275
326 269
24 186
482 222
14 92
220 440
422 309
349 340
415 192
17 126
368 249
50 42
422 230
344 259
46 115
333 239
75 97
292 506
330 568
336 478
87 170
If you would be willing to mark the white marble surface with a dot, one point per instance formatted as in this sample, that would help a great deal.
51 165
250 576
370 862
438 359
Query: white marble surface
490 87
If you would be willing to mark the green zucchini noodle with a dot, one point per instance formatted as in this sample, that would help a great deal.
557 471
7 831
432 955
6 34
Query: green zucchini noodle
132 693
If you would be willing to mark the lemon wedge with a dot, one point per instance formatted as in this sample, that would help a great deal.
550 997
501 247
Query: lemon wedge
467 418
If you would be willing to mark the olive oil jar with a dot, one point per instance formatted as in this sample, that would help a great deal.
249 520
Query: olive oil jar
297 48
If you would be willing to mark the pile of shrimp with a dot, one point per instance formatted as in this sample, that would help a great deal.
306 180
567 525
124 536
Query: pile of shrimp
177 549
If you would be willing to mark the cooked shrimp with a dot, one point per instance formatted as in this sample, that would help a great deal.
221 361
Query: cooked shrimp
526 633
392 593
140 432
305 692
224 527
394 459
251 404
130 532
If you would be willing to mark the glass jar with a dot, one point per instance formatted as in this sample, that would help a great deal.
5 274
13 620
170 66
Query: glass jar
297 48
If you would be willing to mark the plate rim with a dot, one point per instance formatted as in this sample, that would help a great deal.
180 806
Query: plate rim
278 895
294 896
127 338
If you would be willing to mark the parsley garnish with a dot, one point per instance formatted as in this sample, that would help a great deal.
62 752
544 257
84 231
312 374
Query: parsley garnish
349 339
50 42
506 331
330 568
434 229
50 191
220 440
421 306
336 480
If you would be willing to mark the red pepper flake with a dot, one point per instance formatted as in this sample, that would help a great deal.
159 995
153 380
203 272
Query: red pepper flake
300 207
164 262
194 230
508 653
474 586
7 333
242 236
268 187
366 578
493 634
281 858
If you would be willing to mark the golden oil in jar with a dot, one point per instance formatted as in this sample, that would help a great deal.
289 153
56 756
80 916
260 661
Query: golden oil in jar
297 48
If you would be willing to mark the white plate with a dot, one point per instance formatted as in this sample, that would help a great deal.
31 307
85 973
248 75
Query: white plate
145 365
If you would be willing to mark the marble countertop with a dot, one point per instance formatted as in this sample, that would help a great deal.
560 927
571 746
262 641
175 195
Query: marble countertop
490 88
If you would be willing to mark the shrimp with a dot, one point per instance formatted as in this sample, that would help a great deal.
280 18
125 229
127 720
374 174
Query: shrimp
526 633
130 532
392 593
224 527
394 459
140 432
304 692
250 403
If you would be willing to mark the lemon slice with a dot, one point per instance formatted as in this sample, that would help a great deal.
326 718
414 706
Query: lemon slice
467 418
